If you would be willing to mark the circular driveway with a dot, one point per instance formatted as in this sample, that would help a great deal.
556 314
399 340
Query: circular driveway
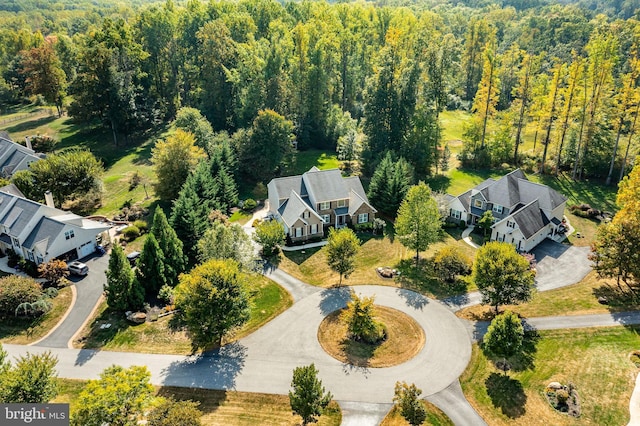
290 340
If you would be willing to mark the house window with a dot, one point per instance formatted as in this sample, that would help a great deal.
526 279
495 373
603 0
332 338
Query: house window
306 215
298 232
497 208
363 217
342 203
511 224
314 228
477 203
325 206
30 256
456 214
69 234
326 218
16 242
39 260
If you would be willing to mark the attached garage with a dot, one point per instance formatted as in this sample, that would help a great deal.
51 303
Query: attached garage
86 249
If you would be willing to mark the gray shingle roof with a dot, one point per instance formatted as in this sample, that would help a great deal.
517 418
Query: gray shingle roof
46 229
19 215
293 208
548 198
505 191
326 185
14 157
530 219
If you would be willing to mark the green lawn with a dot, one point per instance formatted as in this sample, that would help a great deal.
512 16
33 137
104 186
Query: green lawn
322 159
165 336
595 360
435 417
240 216
22 331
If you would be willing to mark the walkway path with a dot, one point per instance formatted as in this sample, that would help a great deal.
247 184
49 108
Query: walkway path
466 236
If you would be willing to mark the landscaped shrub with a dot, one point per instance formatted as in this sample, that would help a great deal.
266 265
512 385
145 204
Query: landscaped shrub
14 258
130 233
15 290
141 225
43 143
249 204
449 262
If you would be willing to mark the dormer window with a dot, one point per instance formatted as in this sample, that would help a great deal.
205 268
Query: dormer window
497 208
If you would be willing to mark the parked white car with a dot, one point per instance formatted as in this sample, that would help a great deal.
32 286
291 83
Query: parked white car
78 268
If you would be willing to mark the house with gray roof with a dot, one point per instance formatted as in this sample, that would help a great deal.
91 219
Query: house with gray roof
15 157
309 203
40 232
525 212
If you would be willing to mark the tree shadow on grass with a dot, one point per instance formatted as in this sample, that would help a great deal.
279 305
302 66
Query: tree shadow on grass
506 394
422 279
31 124
209 399
617 298
439 182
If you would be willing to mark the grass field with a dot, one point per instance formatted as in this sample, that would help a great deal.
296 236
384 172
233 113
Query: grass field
577 299
314 157
595 360
223 407
163 336
20 331
311 266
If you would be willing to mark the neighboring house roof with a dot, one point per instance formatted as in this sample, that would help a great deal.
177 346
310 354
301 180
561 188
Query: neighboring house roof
19 215
45 231
15 157
319 185
530 219
12 190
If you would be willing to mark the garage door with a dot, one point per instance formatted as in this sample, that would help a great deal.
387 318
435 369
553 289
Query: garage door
86 249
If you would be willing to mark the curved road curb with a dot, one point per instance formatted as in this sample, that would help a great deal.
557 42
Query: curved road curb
74 296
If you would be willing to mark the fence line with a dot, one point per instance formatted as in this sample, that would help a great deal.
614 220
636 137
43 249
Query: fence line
40 112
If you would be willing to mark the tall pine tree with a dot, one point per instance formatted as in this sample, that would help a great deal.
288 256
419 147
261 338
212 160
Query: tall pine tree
170 246
122 291
150 271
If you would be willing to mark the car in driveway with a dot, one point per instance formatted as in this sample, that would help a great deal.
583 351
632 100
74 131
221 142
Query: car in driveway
78 268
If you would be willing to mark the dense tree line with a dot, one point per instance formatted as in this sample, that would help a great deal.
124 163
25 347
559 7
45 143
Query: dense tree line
392 70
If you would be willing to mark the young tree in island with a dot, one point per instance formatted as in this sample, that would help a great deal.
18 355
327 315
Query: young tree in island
359 317
504 338
308 398
270 234
213 300
342 247
122 290
486 221
33 379
502 275
418 224
150 267
171 247
407 400
119 397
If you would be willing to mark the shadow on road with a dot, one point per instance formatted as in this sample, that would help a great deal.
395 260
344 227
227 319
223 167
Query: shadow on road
348 369
413 299
215 369
85 356
334 299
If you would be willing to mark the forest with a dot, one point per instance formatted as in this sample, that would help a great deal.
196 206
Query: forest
366 79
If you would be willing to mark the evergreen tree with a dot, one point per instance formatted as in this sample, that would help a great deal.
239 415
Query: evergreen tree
170 246
389 184
150 271
122 291
189 220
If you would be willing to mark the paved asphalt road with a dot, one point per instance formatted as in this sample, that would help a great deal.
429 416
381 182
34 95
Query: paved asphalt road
88 290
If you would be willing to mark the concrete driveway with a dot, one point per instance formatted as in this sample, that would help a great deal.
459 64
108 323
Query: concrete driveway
560 265
88 291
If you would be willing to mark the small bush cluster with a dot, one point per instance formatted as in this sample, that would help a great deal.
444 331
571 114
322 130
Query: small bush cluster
584 210
249 204
43 143
130 233
449 263
564 399
142 225
16 290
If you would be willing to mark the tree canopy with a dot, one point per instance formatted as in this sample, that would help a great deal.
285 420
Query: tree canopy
342 247
308 397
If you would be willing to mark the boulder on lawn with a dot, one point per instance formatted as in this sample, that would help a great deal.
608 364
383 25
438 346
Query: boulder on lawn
555 385
137 317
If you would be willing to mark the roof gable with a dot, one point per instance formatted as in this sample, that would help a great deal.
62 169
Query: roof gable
326 185
46 230
530 219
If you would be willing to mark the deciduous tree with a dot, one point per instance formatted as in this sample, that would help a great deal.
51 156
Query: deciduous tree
342 247
418 224
270 234
213 300
502 275
505 337
222 241
174 158
308 398
118 398
31 380
359 317
175 413
53 271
